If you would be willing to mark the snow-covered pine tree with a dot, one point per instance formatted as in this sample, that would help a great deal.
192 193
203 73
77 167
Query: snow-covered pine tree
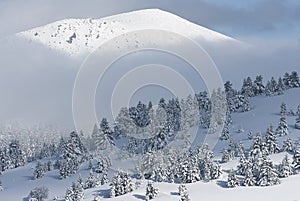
271 141
90 181
225 132
280 86
104 178
69 194
104 139
249 179
283 109
287 145
268 175
78 192
182 191
1 186
204 108
230 92
247 88
271 87
296 159
226 156
38 194
282 128
287 80
124 123
232 180
215 171
151 191
243 165
295 81
258 86
192 111
274 86
257 146
241 103
285 168
39 171
140 114
16 154
121 184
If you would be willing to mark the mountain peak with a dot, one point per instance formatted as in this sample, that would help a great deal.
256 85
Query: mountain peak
82 36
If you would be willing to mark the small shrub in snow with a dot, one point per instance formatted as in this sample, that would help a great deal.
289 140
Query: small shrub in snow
151 191
38 194
232 180
285 169
182 192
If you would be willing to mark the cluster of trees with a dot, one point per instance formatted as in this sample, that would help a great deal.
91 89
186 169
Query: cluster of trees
260 171
12 156
186 167
42 168
38 194
257 169
75 192
121 184
272 86
73 154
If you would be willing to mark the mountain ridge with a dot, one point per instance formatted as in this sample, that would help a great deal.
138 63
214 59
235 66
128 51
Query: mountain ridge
76 37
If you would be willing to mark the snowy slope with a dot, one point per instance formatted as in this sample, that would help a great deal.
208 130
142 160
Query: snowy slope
81 36
18 182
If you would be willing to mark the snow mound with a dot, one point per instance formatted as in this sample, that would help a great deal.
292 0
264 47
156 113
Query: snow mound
82 36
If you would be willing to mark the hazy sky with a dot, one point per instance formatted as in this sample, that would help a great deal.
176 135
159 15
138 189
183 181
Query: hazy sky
241 19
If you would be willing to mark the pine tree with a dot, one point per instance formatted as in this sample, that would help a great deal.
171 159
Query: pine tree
104 138
90 181
249 179
242 166
287 81
39 171
16 154
225 132
226 156
268 175
295 81
215 171
257 146
258 86
247 88
287 145
78 192
282 128
271 141
285 168
232 180
1 187
104 178
151 191
69 194
39 194
296 159
182 192
121 184
283 109
281 87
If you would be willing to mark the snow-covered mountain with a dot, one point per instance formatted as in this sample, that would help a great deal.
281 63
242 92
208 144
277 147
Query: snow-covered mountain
81 36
